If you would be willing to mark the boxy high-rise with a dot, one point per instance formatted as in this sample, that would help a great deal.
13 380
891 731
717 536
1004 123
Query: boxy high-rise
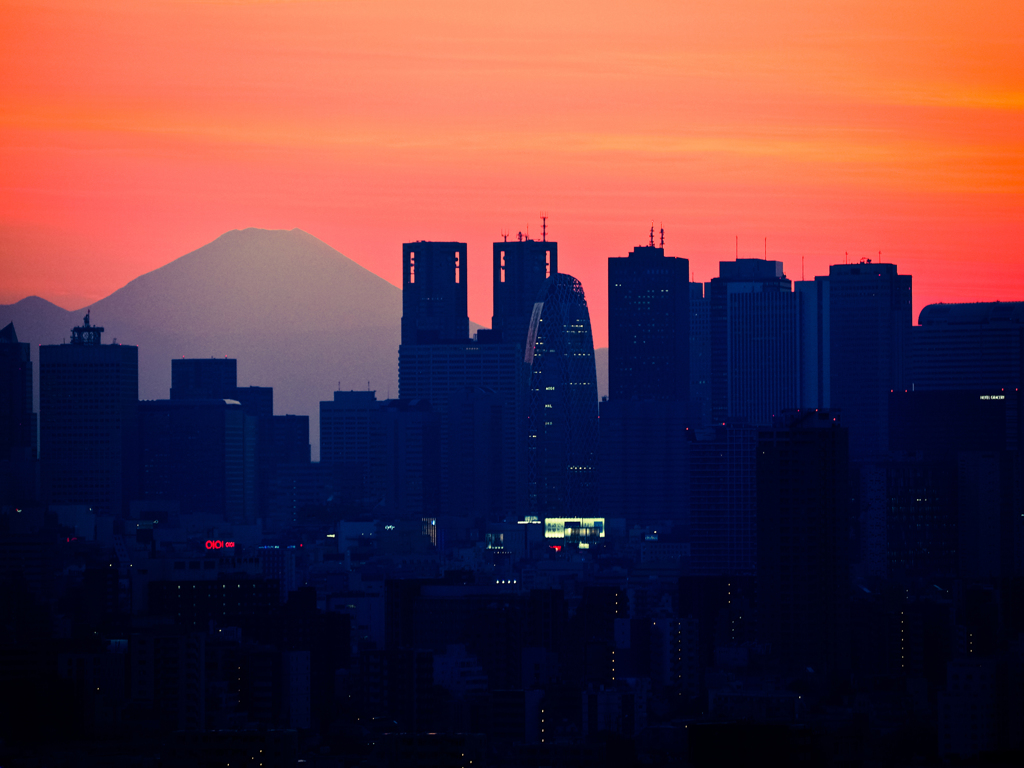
88 417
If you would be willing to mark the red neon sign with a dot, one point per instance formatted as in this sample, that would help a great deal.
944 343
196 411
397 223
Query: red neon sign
218 544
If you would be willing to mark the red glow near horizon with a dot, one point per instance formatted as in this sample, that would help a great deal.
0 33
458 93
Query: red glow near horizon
136 132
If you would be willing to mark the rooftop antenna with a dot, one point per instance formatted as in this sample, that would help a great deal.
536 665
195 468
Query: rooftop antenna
847 260
504 235
651 244
520 236
663 235
544 227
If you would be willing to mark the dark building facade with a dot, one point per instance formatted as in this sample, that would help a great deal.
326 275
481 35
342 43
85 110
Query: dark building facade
648 326
644 468
18 473
291 439
412 471
88 421
351 439
700 356
870 320
954 484
194 451
384 453
520 269
723 501
17 420
563 412
476 430
434 298
802 529
643 427
216 379
441 374
203 379
815 341
968 346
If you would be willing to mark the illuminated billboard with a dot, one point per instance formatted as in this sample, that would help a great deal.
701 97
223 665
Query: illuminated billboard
574 530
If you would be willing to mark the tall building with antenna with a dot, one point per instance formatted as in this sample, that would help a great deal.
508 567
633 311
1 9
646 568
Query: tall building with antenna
439 364
88 421
649 325
870 323
520 269
754 319
644 440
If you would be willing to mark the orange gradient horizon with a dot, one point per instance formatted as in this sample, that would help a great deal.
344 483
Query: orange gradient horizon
132 133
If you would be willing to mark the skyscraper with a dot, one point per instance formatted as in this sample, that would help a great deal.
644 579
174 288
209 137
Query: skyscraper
700 356
648 326
520 269
18 473
437 360
802 529
217 379
643 464
440 374
434 299
755 356
346 428
562 426
411 432
88 418
723 501
351 437
476 428
870 320
955 465
385 453
968 346
17 440
193 451
815 351
643 467
203 378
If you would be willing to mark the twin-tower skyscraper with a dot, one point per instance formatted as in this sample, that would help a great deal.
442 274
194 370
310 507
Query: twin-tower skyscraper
519 403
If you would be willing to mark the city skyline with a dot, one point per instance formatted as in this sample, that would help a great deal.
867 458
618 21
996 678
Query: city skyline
134 135
517 385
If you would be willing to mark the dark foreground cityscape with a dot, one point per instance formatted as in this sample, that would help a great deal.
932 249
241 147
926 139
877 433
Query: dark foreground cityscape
791 534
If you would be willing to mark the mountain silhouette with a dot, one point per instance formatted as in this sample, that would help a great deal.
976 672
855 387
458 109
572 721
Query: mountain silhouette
297 315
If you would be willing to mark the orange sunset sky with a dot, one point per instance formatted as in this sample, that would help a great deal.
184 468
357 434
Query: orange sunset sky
134 132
